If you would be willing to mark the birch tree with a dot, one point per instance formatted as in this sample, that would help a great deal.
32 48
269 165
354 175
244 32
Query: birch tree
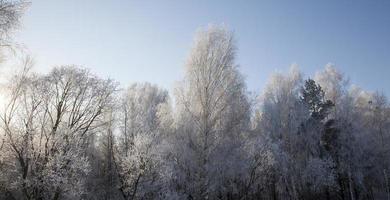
214 113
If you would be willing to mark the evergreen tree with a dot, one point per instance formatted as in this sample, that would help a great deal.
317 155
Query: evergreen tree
314 97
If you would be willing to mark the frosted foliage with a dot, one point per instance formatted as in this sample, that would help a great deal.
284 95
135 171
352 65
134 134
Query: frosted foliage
64 171
280 110
137 167
145 119
332 82
70 134
46 123
140 105
214 112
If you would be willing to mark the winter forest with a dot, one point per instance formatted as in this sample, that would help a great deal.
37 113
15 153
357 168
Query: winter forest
69 134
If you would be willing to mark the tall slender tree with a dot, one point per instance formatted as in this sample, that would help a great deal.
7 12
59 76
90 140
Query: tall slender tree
214 113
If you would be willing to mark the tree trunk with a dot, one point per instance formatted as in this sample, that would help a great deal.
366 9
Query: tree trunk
350 186
387 184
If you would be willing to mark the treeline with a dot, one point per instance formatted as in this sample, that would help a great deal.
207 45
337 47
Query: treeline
70 134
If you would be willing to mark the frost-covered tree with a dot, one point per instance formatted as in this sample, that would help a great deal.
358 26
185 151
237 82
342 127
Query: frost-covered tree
278 118
10 15
291 115
138 156
46 123
348 138
372 125
213 112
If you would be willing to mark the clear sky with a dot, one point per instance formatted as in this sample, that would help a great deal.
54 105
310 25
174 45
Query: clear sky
140 40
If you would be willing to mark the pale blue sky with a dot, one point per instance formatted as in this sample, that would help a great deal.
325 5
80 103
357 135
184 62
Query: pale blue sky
150 40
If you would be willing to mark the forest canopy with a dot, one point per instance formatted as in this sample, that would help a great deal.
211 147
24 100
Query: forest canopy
70 134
